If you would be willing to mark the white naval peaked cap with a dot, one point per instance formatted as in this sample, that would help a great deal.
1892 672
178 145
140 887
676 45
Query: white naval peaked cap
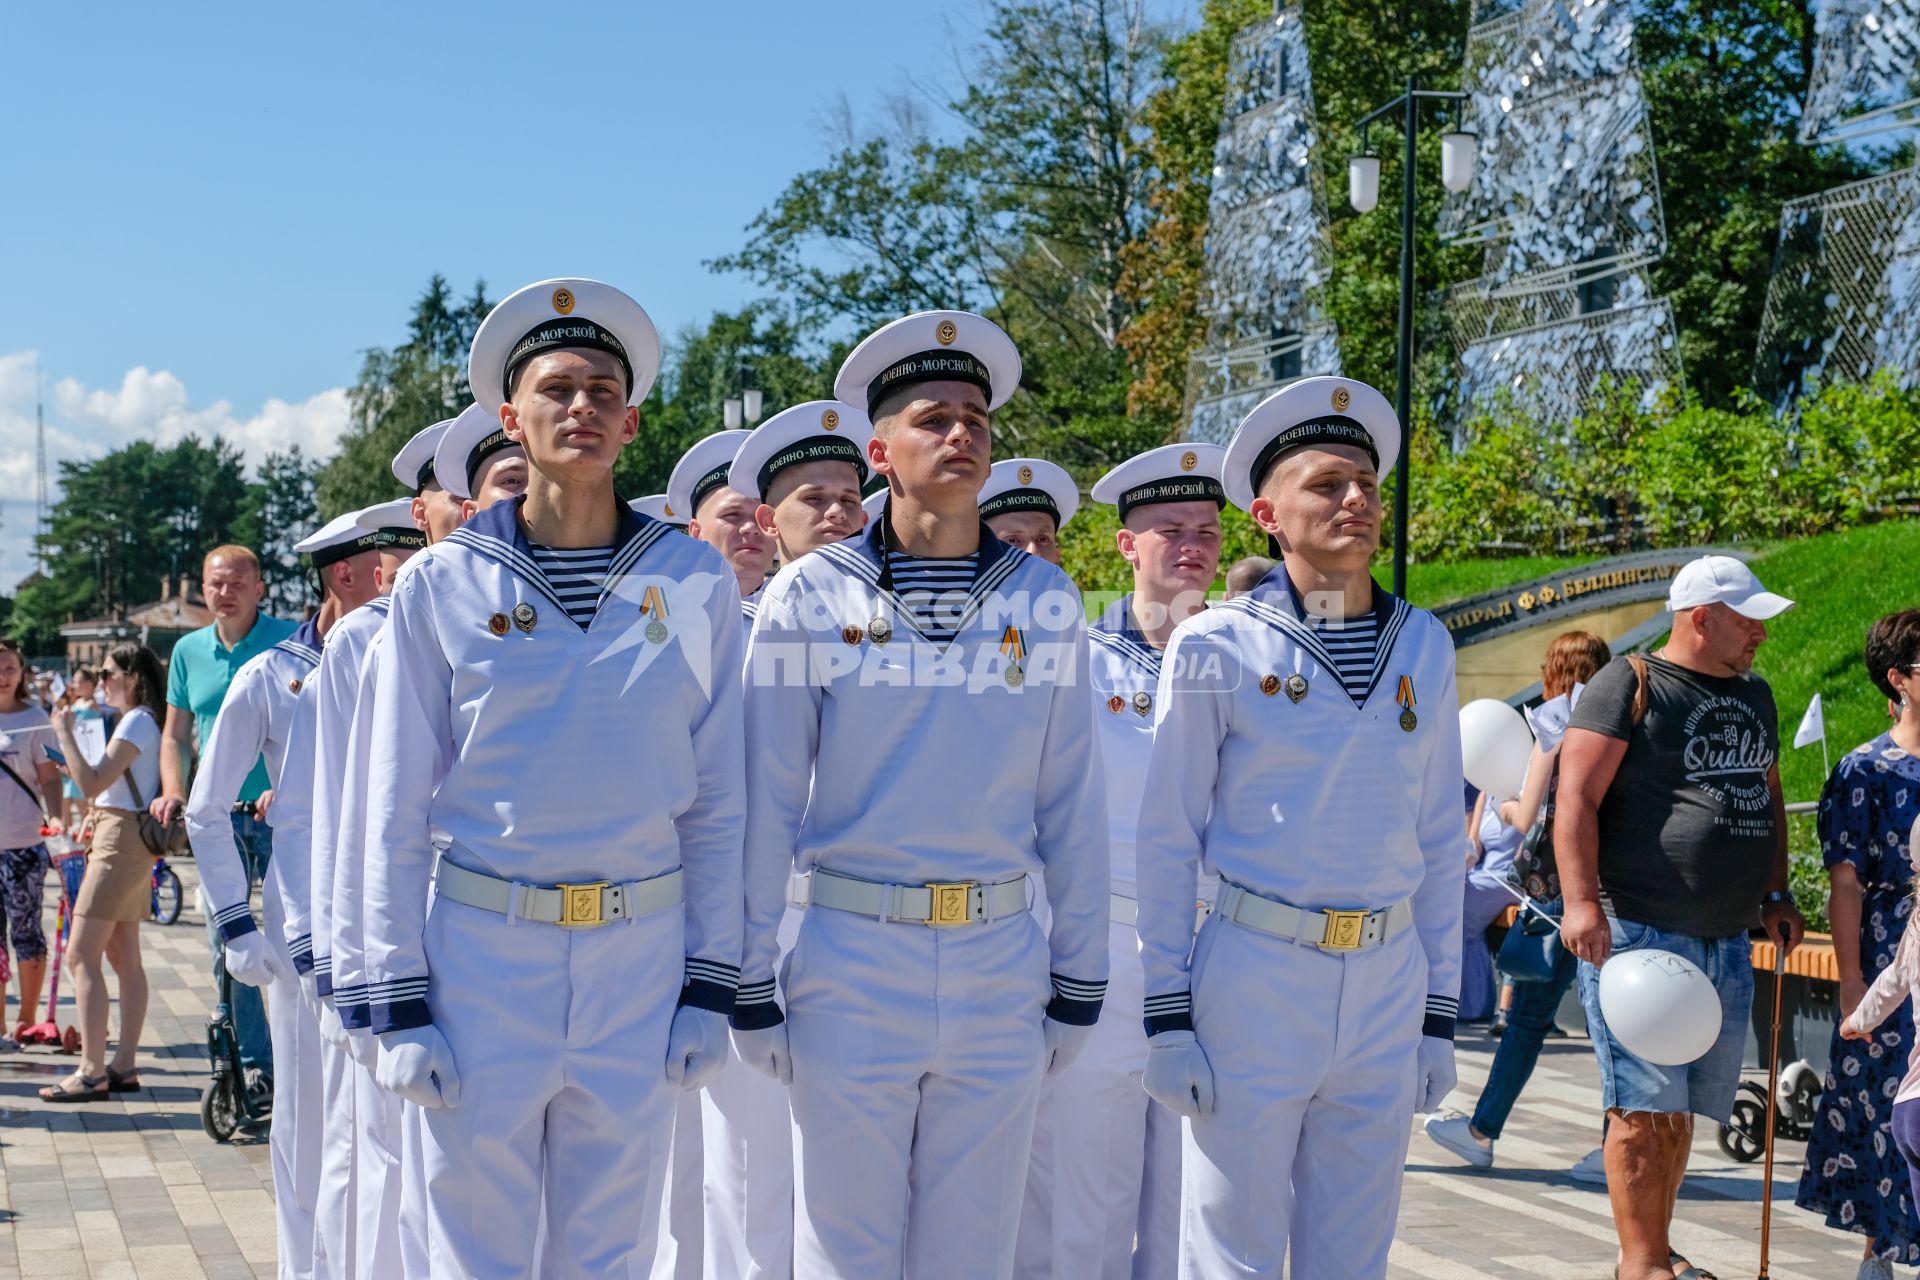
702 469
395 517
1170 473
554 315
874 504
413 465
1312 411
352 532
468 441
1030 484
931 346
655 506
817 431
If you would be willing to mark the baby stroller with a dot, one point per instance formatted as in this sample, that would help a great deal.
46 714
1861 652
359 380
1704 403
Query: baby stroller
1744 1137
70 861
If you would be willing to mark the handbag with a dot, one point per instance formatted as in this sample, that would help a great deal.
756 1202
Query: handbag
1532 948
163 839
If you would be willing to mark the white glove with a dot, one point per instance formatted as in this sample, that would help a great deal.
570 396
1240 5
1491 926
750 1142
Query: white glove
1178 1075
765 1050
696 1046
255 961
330 1029
1064 1043
363 1047
1436 1074
417 1065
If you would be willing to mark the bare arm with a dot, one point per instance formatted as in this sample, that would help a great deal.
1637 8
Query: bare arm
176 750
1475 849
1588 763
1521 814
92 779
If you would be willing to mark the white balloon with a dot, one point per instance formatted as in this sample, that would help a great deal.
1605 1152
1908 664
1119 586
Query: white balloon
1495 745
1659 1006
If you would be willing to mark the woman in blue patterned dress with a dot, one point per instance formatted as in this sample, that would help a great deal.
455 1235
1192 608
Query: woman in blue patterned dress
1853 1173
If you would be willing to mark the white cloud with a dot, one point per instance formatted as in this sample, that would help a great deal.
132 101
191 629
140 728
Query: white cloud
85 422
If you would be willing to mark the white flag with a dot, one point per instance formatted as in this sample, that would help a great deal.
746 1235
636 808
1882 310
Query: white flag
1813 725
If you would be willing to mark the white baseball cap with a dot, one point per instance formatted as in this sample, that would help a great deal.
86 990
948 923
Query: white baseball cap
1724 580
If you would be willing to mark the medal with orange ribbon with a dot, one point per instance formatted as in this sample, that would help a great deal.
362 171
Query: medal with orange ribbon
654 605
1408 720
1013 647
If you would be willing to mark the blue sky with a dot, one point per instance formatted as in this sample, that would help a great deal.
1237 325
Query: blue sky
206 219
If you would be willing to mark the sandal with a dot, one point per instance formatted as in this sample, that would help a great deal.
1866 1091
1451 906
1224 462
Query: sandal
123 1082
76 1088
1684 1270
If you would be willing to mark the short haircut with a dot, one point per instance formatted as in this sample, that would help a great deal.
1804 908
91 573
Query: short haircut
1574 657
1893 641
231 551
1245 574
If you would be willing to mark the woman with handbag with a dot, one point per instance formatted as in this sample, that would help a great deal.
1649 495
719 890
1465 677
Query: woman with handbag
1541 969
116 894
28 781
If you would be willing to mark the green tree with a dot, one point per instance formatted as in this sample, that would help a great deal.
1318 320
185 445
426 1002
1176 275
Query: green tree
414 385
280 512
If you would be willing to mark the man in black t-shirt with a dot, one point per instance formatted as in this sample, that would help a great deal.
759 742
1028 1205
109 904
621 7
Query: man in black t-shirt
1671 835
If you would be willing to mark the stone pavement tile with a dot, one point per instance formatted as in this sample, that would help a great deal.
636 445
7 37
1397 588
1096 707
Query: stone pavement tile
227 1267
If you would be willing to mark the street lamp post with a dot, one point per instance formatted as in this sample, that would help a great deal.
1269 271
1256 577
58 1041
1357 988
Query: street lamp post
743 409
1457 151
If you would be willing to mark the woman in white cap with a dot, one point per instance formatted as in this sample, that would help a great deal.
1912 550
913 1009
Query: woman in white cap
1103 1191
925 686
1305 749
256 721
582 950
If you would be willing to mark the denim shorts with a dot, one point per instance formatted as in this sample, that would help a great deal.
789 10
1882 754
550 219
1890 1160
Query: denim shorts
1705 1087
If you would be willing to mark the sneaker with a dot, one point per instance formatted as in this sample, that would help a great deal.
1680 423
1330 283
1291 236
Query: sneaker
1455 1132
1592 1168
259 1089
1874 1269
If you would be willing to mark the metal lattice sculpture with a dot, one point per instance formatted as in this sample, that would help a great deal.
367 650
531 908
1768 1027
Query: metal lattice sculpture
1267 253
1566 202
1845 295
1864 71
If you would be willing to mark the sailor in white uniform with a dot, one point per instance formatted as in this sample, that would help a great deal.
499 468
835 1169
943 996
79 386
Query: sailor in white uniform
581 953
389 1179
1305 749
1103 1192
1027 502
925 685
804 467
720 517
309 909
436 509
256 720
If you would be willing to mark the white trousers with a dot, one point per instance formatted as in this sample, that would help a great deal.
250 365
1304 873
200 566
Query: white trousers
560 1039
1103 1187
917 1057
333 1210
1314 1058
415 1257
678 1253
747 1129
378 1117
294 1142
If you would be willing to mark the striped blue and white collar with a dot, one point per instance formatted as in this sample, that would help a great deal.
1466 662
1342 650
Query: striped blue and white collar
1276 601
1116 629
306 641
497 534
864 557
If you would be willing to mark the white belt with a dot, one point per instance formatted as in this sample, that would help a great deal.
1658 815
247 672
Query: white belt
1328 930
572 906
937 905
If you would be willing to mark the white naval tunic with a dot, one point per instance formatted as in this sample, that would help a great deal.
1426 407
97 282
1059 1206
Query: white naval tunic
1326 803
1103 1189
256 720
917 1052
578 754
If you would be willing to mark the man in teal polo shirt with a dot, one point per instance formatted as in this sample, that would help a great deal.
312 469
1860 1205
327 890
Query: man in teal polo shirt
202 666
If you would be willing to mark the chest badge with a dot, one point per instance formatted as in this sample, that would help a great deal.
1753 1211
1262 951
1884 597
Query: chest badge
293 685
524 617
851 634
1408 721
1296 687
1116 704
1269 685
653 605
497 624
1013 647
880 629
1143 703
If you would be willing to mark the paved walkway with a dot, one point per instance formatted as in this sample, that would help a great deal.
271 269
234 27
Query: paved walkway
134 1188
